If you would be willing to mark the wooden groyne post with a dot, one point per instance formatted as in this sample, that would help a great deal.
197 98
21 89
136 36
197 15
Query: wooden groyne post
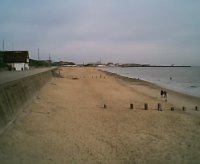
145 106
131 106
196 108
159 107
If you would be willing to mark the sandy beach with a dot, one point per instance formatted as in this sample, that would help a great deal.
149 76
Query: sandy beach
67 123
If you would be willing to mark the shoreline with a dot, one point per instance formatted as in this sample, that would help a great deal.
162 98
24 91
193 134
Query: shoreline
150 83
185 99
154 66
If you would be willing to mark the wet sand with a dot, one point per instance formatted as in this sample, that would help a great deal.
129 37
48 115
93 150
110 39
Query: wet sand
66 123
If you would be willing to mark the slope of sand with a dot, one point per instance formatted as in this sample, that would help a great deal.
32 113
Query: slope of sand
66 123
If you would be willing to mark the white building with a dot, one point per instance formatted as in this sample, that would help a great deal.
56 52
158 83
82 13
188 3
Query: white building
16 60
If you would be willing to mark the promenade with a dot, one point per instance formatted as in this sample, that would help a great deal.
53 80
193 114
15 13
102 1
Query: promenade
8 76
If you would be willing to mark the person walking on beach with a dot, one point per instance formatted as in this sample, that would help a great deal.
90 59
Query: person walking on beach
161 93
165 94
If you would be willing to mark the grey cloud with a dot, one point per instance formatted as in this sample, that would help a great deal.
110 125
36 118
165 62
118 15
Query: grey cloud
115 29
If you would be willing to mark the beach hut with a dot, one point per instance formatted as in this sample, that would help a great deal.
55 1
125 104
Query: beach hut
16 60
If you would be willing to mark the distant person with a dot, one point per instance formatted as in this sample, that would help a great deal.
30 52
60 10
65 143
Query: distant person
170 78
165 94
161 93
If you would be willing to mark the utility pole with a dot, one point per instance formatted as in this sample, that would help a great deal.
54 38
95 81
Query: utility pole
49 59
12 46
3 45
38 54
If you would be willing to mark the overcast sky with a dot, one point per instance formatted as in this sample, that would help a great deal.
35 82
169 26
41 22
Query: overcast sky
124 31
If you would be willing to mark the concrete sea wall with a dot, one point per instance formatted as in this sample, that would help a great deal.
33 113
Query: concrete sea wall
14 95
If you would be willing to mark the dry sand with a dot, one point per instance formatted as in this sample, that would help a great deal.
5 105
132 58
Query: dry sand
66 123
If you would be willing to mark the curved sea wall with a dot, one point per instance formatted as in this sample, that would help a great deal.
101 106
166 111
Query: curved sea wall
14 95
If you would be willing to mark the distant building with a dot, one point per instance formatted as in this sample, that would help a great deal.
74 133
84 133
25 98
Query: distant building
110 64
64 64
17 60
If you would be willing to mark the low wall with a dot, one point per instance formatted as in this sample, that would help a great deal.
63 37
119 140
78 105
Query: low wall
14 95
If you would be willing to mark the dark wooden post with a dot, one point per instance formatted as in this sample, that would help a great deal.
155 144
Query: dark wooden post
196 108
131 106
145 106
159 107
104 106
172 108
183 108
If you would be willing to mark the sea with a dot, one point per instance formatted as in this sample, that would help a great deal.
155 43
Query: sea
181 79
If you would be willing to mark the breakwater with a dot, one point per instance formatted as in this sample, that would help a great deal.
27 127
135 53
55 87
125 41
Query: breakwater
16 94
